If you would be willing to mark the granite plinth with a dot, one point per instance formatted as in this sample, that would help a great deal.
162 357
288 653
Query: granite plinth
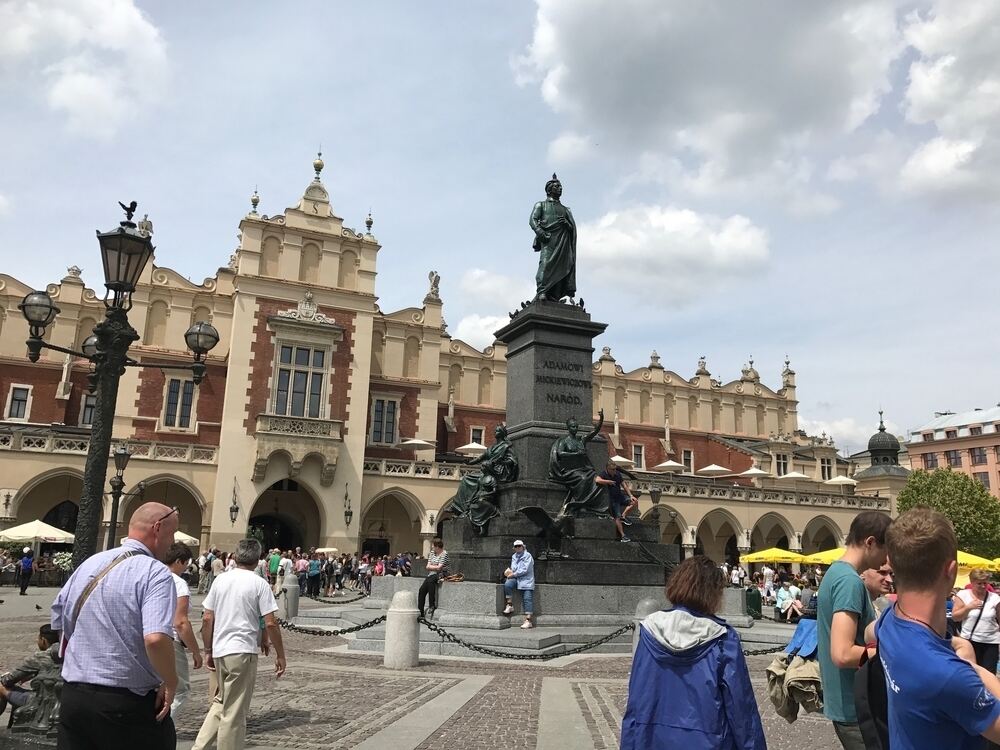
549 364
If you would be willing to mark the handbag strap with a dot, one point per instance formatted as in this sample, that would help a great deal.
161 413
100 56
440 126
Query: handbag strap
976 623
96 580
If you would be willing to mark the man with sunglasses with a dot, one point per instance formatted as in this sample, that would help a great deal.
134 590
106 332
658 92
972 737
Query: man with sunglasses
116 613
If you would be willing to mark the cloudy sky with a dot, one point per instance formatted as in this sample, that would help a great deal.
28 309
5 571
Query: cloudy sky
816 179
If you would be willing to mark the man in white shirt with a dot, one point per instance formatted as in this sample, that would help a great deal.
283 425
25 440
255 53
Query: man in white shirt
231 633
768 572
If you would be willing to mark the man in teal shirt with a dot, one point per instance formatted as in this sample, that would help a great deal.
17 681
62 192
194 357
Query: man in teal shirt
843 611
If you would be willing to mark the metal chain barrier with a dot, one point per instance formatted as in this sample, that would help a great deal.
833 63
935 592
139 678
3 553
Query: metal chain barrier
319 631
762 651
325 600
445 635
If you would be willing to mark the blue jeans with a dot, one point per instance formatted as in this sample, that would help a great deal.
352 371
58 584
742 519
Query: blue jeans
527 595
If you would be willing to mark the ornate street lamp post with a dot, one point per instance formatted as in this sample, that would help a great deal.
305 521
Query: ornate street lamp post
117 482
348 513
125 251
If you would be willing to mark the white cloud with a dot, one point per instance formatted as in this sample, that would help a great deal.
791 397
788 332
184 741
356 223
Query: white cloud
954 87
478 330
568 148
480 286
741 112
97 62
849 434
671 255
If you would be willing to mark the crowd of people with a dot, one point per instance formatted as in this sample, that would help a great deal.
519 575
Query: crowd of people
906 659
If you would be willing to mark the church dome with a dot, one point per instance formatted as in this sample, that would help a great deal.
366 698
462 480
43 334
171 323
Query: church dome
883 440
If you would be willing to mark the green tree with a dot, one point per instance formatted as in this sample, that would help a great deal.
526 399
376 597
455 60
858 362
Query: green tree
974 512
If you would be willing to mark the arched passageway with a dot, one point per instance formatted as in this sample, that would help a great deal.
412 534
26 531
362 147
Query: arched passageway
717 537
54 500
286 516
390 524
820 535
167 491
770 530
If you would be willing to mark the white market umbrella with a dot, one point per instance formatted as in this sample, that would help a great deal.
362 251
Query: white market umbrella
179 536
35 532
415 444
754 471
328 550
621 461
669 466
190 541
793 475
713 470
840 479
471 449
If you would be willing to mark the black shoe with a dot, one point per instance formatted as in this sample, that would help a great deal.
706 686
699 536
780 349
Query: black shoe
430 613
626 522
421 614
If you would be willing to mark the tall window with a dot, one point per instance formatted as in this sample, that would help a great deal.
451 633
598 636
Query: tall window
983 477
954 458
826 468
384 413
17 406
476 435
637 457
780 464
87 411
300 383
930 461
687 458
180 396
977 456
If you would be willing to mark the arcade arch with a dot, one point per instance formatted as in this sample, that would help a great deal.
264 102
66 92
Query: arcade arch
170 491
391 523
718 535
820 535
286 515
53 498
671 529
771 530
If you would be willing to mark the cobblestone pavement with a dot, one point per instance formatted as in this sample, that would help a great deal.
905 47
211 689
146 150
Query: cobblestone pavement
334 700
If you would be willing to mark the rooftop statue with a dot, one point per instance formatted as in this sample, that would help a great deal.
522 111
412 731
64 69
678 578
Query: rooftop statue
475 498
570 466
555 241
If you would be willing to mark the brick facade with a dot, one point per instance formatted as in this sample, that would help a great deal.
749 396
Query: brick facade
262 363
406 423
45 408
207 406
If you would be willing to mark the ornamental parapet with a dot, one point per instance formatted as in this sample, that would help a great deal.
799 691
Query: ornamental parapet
42 440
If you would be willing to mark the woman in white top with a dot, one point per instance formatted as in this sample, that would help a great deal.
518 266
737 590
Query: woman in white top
976 609
177 559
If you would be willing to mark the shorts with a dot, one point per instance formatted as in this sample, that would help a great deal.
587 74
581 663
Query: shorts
618 509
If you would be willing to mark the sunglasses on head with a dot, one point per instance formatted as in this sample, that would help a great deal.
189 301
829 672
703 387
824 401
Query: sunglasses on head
165 516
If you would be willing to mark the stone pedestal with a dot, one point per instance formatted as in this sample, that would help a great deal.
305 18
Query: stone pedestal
550 380
402 632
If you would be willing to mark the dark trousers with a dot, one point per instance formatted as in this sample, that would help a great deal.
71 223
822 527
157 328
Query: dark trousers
25 579
987 655
429 586
313 585
95 717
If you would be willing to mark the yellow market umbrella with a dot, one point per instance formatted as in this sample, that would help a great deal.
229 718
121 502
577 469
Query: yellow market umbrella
774 554
968 560
827 557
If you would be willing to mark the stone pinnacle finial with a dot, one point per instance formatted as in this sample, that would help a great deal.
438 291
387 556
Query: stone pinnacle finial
254 201
318 163
369 221
881 423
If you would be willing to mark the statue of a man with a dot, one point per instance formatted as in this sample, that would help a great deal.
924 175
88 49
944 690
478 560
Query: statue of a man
555 241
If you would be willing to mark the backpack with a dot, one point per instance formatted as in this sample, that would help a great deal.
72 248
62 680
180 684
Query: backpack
871 699
207 567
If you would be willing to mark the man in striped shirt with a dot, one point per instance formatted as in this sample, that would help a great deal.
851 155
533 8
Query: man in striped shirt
437 568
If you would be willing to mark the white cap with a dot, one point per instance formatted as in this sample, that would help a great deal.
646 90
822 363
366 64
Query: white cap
27 550
518 543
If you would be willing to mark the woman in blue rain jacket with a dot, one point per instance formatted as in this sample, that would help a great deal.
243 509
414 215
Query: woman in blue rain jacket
690 688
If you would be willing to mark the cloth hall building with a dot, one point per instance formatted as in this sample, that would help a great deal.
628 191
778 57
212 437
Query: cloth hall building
295 431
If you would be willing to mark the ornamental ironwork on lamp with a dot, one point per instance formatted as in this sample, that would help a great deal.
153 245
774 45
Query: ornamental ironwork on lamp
234 512
348 513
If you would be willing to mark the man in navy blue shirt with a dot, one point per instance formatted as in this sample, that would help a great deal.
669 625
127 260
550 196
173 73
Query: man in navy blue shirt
622 499
938 696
